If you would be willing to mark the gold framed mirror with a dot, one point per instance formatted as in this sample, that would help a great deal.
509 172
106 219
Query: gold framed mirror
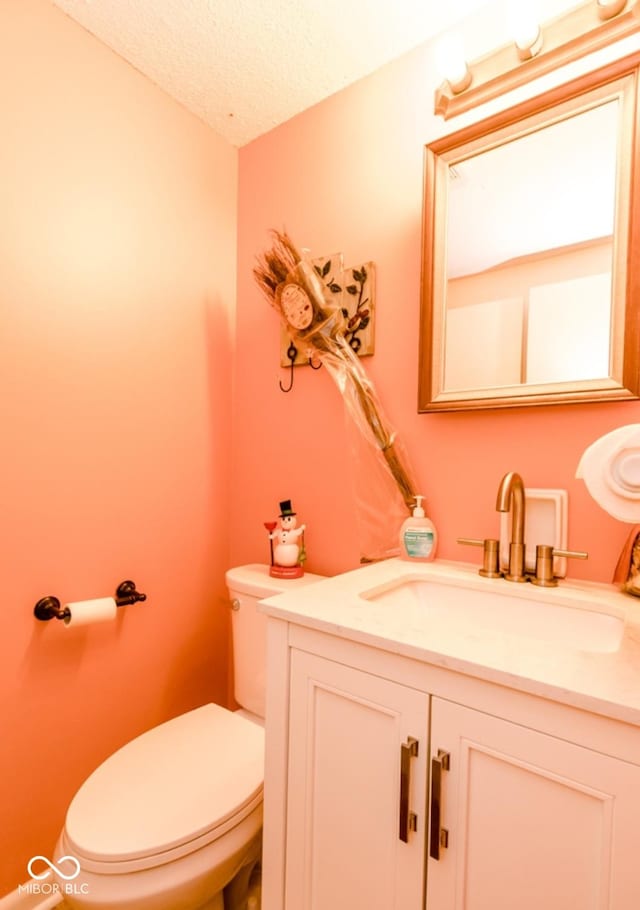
530 260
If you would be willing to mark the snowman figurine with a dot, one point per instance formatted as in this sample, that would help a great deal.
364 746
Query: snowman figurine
288 552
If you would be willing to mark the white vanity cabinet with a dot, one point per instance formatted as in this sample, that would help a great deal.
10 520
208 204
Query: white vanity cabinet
538 802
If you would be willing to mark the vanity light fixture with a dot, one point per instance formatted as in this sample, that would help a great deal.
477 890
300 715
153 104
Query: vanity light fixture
537 50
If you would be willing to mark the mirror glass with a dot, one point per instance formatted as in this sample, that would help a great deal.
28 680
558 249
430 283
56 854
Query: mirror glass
525 265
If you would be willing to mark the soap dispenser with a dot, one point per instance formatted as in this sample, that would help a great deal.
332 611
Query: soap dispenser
418 536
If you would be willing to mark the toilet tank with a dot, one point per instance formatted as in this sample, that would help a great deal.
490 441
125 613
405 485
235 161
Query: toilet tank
247 585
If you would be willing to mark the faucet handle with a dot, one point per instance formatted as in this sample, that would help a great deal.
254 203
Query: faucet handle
491 555
544 563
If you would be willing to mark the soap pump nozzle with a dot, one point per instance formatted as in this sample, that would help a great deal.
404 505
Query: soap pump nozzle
418 512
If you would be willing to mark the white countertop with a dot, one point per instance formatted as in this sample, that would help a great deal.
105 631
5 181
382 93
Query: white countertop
604 682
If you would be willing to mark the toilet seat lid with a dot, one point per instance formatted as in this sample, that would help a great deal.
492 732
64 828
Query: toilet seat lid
171 785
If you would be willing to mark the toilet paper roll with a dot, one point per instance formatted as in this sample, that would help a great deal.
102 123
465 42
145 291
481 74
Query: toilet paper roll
610 468
87 612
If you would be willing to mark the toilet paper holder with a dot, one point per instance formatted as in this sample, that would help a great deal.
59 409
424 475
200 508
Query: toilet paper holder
49 607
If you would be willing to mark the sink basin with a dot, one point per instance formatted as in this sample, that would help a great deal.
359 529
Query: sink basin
557 615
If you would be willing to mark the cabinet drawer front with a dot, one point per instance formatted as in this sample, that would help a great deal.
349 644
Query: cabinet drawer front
351 738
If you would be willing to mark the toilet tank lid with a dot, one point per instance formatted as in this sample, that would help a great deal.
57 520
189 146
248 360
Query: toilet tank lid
168 786
254 579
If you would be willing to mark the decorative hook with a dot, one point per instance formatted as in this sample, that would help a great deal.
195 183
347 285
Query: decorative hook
292 353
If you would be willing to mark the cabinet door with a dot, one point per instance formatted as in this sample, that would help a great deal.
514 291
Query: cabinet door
532 822
349 737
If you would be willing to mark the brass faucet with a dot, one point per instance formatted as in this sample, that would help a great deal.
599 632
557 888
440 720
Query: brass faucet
511 497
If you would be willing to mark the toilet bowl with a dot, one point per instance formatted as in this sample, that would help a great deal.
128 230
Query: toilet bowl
169 819
173 819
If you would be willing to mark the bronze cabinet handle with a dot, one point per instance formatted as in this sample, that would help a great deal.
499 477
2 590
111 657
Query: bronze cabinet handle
408 821
438 836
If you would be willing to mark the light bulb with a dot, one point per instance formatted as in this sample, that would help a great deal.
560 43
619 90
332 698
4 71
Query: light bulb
607 9
524 25
451 63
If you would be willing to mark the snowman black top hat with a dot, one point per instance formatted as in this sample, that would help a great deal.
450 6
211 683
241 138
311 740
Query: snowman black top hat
285 508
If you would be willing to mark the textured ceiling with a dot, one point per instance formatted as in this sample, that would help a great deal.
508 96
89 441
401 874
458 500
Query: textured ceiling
245 66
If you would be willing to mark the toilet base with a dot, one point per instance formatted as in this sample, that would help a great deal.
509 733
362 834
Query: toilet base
236 893
217 903
196 881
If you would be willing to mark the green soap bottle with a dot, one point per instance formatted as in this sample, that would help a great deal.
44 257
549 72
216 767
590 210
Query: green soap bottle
418 536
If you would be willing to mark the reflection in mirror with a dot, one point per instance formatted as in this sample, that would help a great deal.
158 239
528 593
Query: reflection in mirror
502 281
525 274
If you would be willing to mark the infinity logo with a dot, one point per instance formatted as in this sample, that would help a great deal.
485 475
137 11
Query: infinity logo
53 868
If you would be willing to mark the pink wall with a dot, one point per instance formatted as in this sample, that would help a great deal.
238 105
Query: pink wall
346 176
117 278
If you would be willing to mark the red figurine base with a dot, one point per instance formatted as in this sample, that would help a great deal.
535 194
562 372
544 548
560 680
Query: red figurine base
286 571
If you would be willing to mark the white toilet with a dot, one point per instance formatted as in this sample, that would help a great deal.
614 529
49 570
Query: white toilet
173 819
